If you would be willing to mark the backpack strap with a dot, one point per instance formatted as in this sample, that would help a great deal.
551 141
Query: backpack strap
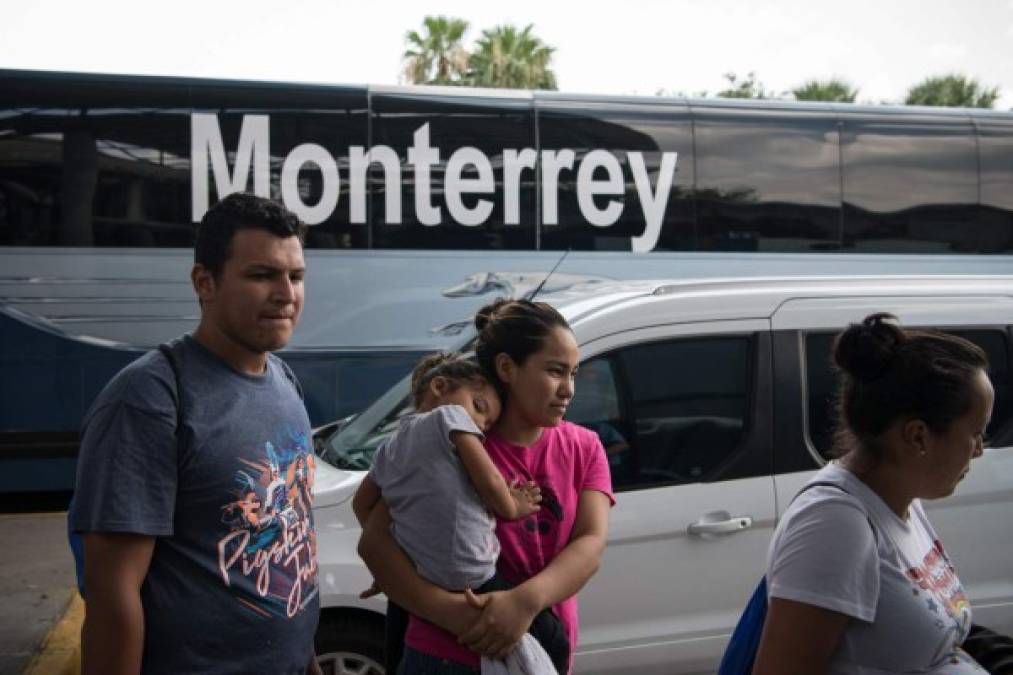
174 355
291 377
827 483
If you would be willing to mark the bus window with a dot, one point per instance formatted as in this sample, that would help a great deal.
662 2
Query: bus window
470 202
304 134
995 147
767 180
93 163
910 184
637 136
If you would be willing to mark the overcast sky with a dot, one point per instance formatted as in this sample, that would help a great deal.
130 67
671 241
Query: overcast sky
625 47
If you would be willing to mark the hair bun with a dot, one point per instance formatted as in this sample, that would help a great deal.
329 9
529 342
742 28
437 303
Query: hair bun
484 315
867 350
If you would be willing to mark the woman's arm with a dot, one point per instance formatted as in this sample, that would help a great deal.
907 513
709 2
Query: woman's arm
396 575
798 639
507 615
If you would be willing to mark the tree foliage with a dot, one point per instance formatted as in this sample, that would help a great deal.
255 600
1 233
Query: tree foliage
505 56
952 91
436 56
510 58
834 89
747 87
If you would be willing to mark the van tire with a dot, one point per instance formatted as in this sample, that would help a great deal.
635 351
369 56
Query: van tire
350 643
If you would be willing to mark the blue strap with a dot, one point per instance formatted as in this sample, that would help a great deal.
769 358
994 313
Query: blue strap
745 641
740 654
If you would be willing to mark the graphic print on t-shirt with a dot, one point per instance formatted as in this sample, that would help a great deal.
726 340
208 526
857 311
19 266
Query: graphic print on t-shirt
945 595
270 539
546 520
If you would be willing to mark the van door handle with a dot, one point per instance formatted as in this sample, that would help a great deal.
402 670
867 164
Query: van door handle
730 525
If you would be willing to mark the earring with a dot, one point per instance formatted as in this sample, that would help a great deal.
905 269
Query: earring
922 453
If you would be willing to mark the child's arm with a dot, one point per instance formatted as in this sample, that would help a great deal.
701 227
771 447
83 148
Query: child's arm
509 503
365 499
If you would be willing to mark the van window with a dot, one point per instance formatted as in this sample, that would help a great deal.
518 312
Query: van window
596 406
683 405
821 386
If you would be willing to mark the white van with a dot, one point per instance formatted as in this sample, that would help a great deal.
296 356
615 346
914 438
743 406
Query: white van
714 401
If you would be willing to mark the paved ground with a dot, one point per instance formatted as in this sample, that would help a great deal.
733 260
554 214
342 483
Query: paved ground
36 584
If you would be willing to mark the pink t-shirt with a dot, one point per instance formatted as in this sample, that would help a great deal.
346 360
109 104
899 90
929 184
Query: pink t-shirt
564 461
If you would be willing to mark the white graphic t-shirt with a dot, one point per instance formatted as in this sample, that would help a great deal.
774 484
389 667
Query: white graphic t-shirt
845 550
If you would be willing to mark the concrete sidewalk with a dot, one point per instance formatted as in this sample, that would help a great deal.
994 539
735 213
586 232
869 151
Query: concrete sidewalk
37 586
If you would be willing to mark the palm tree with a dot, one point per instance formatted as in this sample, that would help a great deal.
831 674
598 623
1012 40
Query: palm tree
833 89
436 56
510 58
955 91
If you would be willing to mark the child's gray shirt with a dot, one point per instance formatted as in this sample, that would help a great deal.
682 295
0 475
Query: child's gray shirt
438 517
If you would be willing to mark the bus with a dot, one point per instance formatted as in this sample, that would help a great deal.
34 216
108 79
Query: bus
425 203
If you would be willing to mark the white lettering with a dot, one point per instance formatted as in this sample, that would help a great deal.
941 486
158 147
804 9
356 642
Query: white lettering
210 159
454 185
206 144
588 187
513 163
358 163
422 156
310 153
552 162
652 203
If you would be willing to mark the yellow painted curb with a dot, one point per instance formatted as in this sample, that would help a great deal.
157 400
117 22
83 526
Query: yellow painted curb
61 650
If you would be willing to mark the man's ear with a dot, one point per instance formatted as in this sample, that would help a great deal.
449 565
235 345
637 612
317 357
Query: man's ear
506 369
203 283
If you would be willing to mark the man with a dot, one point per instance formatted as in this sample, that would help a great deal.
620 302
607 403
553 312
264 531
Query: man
196 559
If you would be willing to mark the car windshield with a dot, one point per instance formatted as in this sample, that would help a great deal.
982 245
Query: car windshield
352 446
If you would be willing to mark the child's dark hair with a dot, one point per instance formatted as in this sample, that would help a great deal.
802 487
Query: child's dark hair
888 372
517 328
240 211
456 370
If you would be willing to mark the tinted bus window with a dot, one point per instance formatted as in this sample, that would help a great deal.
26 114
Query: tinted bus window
995 148
910 185
88 161
636 189
767 180
477 194
288 141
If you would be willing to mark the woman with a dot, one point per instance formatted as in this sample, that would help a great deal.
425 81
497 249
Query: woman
532 353
858 580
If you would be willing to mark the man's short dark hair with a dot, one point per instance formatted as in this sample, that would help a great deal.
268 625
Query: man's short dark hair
240 211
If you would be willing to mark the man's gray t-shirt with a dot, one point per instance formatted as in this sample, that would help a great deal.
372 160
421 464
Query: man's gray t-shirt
438 517
232 585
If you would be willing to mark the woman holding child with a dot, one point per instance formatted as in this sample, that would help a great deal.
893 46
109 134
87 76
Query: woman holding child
547 480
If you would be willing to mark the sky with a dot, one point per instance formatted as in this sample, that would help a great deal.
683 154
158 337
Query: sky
630 47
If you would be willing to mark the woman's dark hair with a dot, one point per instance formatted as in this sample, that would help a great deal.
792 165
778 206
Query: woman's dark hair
517 328
456 370
888 373
240 211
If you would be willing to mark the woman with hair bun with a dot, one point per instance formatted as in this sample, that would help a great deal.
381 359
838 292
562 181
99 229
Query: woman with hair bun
858 580
530 353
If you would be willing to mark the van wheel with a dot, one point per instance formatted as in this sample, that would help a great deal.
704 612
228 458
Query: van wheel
350 645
